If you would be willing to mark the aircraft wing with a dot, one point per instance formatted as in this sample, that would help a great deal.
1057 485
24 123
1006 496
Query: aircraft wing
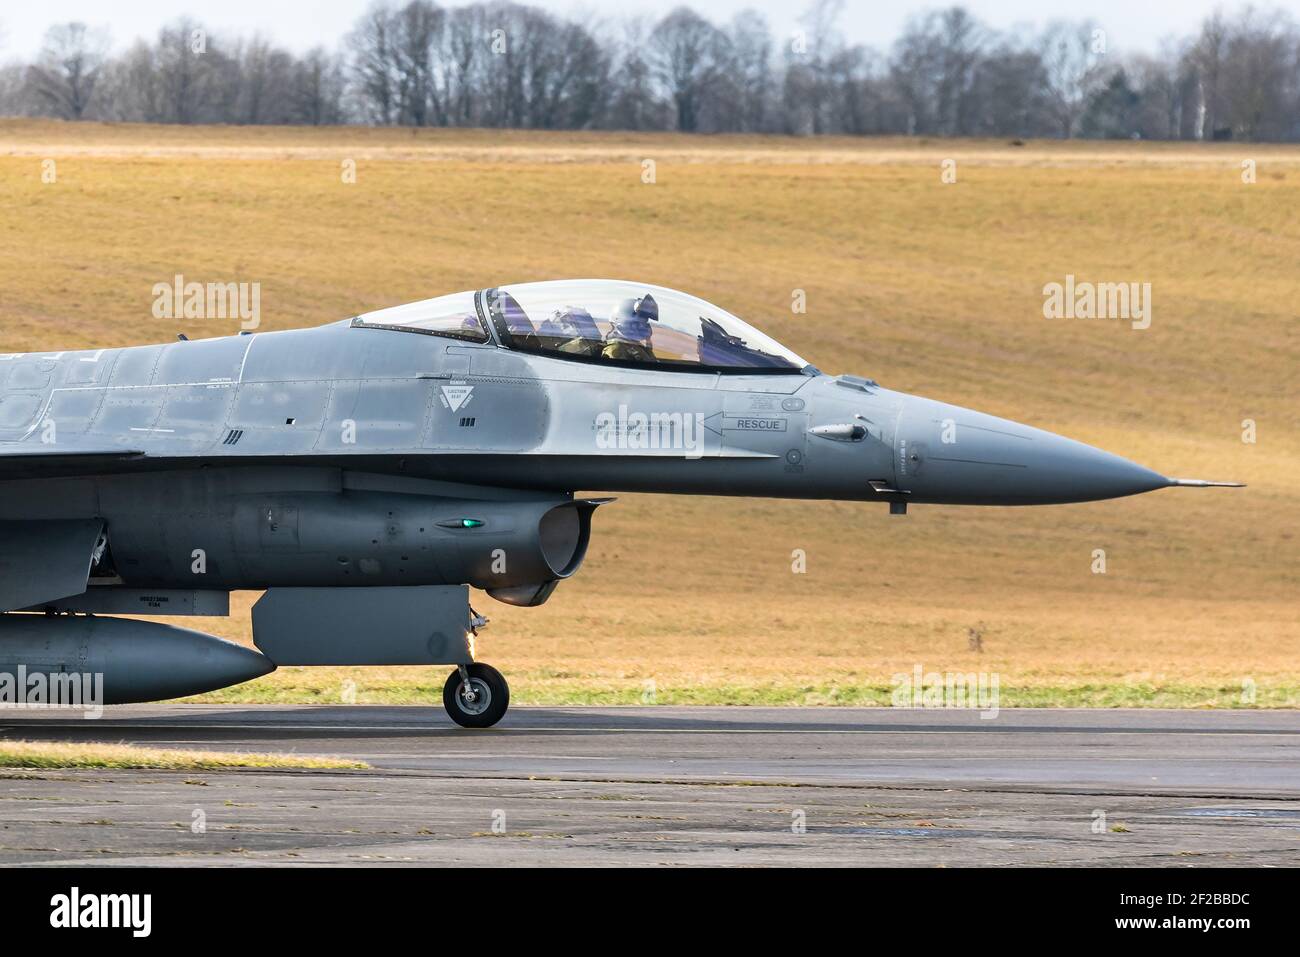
30 460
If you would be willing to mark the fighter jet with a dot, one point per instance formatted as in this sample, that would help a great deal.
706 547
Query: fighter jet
366 474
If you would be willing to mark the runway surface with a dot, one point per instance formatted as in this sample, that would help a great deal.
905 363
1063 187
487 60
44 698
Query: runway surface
672 786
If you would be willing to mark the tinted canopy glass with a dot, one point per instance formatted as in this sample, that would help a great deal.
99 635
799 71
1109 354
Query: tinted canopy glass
453 316
630 324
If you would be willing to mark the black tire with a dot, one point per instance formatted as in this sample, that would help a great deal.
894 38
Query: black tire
488 683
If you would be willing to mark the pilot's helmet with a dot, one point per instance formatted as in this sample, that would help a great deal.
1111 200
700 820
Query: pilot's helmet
566 322
557 323
647 307
631 319
624 311
578 323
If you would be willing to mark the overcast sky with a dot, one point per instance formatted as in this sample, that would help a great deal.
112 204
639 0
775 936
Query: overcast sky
1131 25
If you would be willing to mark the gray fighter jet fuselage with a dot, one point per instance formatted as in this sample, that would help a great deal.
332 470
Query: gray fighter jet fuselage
366 472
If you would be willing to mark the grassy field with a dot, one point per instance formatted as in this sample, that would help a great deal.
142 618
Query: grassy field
929 287
62 754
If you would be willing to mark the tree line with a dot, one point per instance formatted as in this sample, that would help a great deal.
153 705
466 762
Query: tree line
503 64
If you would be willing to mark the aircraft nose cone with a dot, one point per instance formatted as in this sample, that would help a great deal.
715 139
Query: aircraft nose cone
954 455
1062 469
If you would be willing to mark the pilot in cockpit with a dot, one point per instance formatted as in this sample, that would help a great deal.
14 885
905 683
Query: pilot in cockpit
629 334
573 331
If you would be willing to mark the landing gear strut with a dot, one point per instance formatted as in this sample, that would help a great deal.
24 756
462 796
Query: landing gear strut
476 695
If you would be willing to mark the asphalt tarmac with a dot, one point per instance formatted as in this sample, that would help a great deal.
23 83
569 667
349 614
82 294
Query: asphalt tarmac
672 786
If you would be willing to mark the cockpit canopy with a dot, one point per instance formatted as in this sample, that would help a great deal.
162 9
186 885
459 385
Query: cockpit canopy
596 320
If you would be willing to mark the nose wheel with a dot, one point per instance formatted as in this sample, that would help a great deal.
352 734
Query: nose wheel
476 695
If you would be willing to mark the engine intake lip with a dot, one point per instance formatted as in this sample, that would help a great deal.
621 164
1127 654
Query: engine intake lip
564 533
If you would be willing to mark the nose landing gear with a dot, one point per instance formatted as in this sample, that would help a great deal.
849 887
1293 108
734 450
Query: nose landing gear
476 695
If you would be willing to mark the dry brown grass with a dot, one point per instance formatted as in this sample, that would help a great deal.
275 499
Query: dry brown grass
930 288
63 754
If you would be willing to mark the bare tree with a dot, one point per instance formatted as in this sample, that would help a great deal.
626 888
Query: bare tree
1259 77
194 80
856 100
1010 91
1206 61
752 71
417 30
686 53
65 76
130 89
1164 95
260 87
461 66
13 85
13 90
806 94
1073 57
507 64
565 74
373 50
635 103
318 89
